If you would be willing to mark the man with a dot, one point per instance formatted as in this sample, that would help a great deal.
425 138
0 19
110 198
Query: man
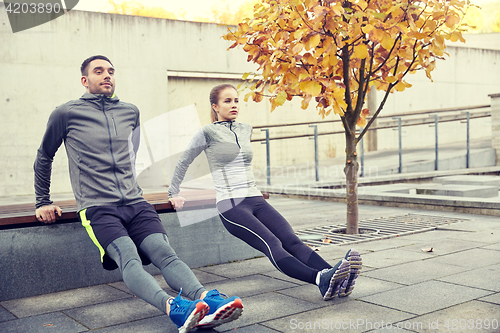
97 131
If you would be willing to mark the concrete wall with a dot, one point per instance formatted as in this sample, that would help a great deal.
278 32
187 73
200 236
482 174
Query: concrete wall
163 65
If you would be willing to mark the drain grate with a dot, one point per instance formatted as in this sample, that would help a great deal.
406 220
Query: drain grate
380 228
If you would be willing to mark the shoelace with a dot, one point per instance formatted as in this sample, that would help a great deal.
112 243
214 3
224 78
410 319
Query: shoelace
216 294
178 305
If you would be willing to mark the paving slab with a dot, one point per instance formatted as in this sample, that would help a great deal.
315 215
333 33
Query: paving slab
249 285
443 246
474 224
364 286
389 258
472 258
31 306
473 316
148 325
346 317
392 329
486 278
311 294
113 313
495 298
277 275
485 236
5 315
383 244
264 307
257 328
427 270
425 297
203 277
240 268
56 322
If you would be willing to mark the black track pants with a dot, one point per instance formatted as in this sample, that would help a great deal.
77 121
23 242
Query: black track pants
257 223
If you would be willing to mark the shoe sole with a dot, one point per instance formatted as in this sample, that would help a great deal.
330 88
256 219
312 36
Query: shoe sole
355 264
337 279
225 314
195 317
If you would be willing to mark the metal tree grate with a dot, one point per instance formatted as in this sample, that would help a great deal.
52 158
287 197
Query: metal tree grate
371 229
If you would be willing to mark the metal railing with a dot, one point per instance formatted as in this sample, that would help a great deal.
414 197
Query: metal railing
394 121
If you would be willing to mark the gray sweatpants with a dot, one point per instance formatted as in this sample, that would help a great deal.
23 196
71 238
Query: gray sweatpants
176 273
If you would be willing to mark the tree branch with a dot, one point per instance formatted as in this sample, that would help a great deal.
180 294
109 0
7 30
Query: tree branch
381 106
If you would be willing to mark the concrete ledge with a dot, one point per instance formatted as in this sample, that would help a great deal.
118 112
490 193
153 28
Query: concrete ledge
483 180
476 191
395 192
46 259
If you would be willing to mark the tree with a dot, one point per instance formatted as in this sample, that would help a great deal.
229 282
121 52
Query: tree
333 52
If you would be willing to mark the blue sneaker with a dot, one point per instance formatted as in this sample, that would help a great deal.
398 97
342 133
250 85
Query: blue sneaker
186 314
355 263
331 279
222 309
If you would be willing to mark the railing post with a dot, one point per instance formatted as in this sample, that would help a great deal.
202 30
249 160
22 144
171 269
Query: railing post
436 163
495 125
316 159
400 145
467 155
268 157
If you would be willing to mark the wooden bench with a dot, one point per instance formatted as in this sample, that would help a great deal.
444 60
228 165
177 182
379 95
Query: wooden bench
39 258
23 215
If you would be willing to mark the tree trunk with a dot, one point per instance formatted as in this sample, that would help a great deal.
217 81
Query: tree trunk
351 173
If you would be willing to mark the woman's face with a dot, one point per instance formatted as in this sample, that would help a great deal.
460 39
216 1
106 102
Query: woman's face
227 108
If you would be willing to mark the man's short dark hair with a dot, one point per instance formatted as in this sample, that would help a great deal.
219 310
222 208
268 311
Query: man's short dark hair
85 64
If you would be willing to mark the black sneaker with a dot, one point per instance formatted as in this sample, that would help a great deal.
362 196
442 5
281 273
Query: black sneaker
355 263
331 279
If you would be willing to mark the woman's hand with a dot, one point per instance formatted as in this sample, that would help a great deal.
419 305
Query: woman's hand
177 202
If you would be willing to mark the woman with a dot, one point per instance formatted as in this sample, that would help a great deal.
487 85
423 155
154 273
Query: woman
242 208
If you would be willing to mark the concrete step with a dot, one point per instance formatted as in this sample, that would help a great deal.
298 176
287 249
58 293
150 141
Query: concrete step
483 180
471 191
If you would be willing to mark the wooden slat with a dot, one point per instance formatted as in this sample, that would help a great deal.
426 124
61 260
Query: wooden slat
25 213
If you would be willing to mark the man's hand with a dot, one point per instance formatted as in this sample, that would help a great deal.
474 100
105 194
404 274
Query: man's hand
47 214
177 202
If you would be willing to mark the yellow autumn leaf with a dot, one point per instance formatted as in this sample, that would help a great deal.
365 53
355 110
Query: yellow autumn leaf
281 98
247 96
400 86
387 41
337 110
313 42
391 79
360 51
361 122
297 48
305 104
257 97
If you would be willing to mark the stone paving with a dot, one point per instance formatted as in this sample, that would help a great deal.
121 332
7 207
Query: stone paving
454 288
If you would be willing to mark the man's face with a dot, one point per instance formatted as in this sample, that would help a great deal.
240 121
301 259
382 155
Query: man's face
100 78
